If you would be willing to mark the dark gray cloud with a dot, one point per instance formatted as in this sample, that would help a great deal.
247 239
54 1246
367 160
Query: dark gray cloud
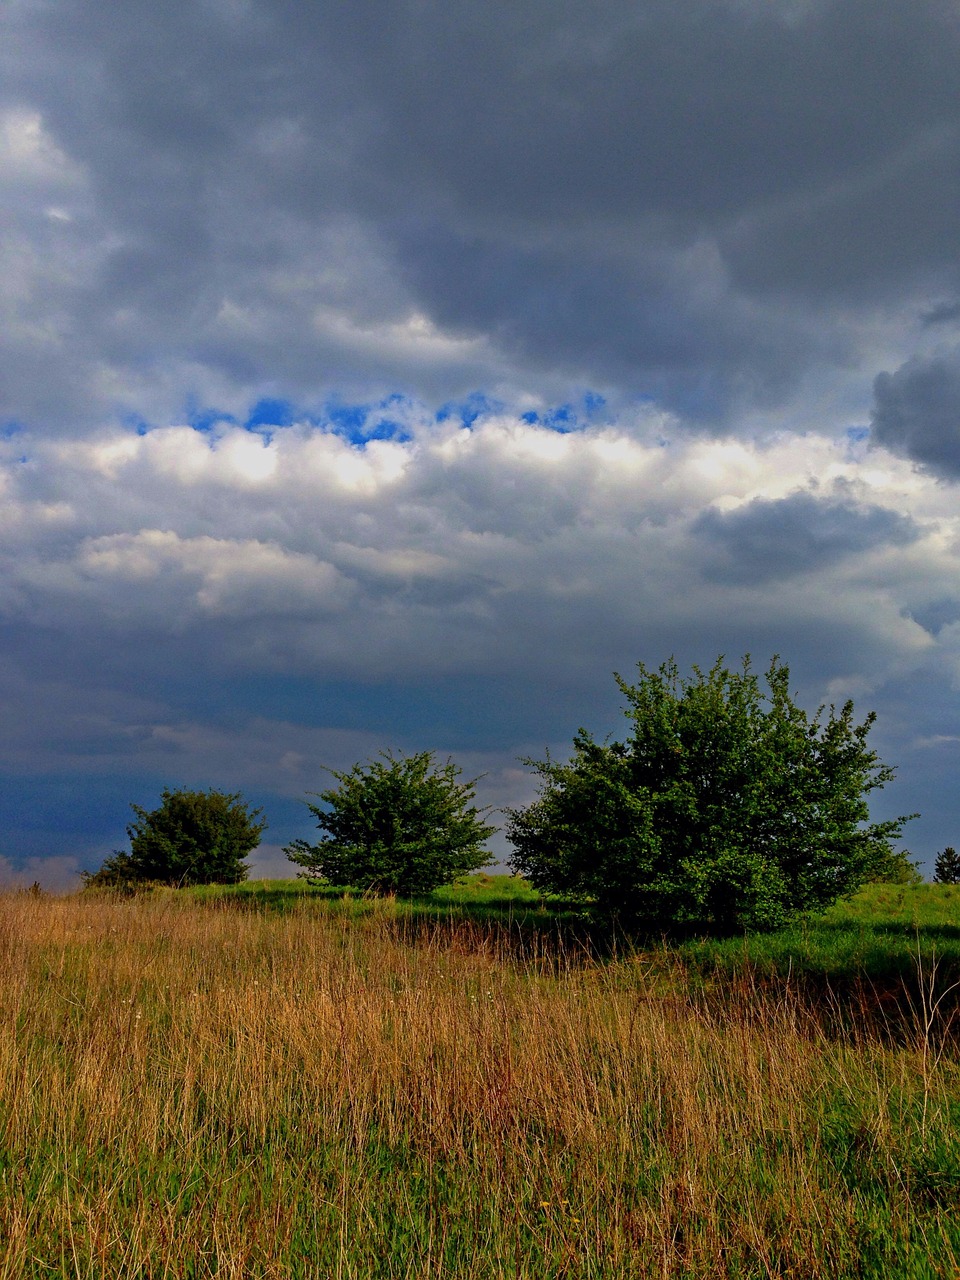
934 615
917 412
254 191
775 539
942 313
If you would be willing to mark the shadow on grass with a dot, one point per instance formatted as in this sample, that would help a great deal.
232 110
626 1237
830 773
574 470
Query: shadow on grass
521 926
856 971
932 932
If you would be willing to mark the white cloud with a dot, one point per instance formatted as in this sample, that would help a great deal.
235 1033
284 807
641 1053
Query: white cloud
28 151
530 561
412 340
442 539
156 576
54 873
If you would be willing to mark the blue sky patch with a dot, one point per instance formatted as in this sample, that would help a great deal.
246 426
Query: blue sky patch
567 417
134 422
204 418
388 429
476 405
270 412
348 420
563 419
359 423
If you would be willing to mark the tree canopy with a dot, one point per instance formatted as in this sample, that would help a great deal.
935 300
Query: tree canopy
400 824
726 808
192 837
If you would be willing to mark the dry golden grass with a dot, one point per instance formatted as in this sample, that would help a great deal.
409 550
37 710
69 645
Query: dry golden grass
190 1089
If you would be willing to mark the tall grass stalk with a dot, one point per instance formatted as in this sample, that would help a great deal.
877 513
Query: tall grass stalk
192 1090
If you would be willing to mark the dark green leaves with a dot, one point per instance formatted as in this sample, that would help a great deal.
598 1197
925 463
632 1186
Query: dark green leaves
727 807
401 824
193 837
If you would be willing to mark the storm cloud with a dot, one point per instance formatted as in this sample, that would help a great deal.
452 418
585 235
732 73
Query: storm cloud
694 202
386 375
775 539
917 412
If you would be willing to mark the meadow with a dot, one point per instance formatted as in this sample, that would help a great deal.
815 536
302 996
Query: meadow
274 1081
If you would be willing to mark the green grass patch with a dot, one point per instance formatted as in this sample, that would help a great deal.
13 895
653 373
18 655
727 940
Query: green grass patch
281 1081
884 933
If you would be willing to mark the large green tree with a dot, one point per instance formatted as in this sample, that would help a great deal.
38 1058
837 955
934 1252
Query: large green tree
400 824
192 837
726 808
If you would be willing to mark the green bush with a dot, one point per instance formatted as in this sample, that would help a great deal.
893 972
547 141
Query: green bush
117 872
193 837
401 824
726 809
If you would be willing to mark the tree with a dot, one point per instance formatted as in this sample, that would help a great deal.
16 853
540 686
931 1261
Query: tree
946 869
193 837
725 809
899 868
400 824
116 872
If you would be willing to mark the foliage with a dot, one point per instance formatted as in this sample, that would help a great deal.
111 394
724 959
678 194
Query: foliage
401 824
118 872
896 868
946 869
193 837
726 809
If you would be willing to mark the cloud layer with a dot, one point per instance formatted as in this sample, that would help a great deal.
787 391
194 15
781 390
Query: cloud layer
245 608
700 203
387 374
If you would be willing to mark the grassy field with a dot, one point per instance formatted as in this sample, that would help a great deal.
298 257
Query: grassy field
281 1083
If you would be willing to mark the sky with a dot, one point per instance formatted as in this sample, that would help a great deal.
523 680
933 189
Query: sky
385 375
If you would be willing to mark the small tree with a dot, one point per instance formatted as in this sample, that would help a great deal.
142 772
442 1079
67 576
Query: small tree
116 872
726 809
899 868
946 869
193 837
401 824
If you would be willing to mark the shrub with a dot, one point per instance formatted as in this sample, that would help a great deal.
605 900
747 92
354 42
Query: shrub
726 808
401 824
193 837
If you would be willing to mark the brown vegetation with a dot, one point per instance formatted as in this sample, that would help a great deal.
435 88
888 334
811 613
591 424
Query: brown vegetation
188 1089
